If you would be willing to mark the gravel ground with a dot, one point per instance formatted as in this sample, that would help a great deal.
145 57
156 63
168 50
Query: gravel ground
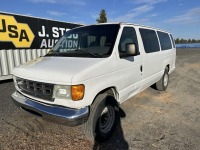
151 120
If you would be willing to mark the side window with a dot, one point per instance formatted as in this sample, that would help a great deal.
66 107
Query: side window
165 41
172 41
150 40
128 36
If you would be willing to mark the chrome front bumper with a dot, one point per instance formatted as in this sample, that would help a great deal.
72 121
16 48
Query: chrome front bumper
58 114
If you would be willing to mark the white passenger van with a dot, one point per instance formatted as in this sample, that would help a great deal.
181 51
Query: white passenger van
91 70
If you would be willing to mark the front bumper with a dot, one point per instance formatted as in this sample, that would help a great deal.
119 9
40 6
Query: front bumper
58 114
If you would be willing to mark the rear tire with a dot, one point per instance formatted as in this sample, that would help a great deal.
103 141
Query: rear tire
162 84
102 119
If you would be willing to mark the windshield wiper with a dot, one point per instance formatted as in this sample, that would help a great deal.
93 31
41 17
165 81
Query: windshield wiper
72 53
91 54
52 53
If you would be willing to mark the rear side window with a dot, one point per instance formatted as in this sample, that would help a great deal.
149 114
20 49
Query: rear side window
172 41
165 41
150 40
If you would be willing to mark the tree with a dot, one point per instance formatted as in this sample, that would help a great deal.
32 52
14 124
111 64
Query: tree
182 41
102 17
193 41
177 41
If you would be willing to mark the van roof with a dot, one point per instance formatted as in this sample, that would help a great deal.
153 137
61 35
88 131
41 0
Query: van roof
139 25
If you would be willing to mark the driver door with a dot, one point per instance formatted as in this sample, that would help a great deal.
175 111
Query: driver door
130 68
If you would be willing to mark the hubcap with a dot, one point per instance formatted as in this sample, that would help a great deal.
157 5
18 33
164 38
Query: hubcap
107 119
166 80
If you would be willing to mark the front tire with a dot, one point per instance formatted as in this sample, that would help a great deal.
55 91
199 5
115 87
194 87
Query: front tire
102 119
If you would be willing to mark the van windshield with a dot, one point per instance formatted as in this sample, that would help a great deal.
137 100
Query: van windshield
90 41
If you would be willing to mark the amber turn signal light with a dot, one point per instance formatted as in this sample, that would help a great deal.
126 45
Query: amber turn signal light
77 92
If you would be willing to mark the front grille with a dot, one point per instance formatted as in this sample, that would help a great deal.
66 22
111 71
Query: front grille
36 89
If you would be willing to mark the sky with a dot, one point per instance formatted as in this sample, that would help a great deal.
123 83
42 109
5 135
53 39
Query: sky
180 17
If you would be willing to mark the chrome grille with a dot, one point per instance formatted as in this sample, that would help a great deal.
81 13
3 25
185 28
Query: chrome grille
35 89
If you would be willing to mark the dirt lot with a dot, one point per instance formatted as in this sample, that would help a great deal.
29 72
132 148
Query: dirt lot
150 120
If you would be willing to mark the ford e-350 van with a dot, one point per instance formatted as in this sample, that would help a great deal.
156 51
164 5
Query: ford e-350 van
91 70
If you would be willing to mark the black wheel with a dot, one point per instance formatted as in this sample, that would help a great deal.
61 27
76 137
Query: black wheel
162 84
102 119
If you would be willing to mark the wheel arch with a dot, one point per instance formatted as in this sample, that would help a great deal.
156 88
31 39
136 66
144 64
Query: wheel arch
168 66
111 91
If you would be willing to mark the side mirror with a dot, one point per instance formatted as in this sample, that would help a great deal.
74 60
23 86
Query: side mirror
130 49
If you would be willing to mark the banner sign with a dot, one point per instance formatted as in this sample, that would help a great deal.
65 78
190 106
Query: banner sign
22 32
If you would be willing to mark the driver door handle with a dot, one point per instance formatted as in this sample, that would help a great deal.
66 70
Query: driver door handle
141 68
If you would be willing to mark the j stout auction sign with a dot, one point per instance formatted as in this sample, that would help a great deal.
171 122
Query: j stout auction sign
30 33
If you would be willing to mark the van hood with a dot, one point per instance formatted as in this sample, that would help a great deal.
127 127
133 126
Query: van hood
59 70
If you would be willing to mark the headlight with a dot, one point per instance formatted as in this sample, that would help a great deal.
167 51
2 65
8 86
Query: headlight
62 92
74 92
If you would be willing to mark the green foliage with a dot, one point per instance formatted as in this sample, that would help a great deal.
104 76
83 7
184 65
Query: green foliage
184 41
177 41
102 17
